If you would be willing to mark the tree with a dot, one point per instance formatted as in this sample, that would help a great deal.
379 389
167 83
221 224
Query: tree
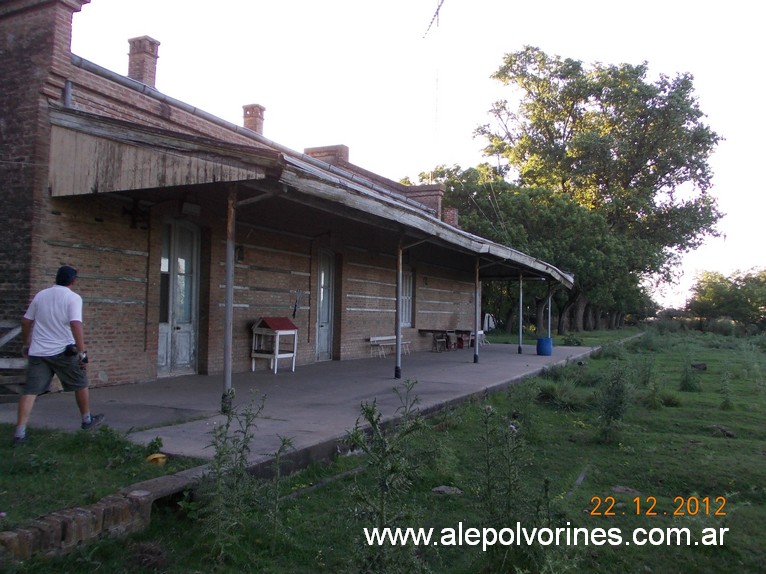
547 225
633 151
741 297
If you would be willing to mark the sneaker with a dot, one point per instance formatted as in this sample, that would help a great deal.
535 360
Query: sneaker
20 441
95 422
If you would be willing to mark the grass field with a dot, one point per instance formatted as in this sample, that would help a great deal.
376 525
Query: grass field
612 444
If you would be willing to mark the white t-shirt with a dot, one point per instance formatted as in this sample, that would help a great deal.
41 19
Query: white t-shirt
52 309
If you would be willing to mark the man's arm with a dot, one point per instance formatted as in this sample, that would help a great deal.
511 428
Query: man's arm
77 332
79 340
26 335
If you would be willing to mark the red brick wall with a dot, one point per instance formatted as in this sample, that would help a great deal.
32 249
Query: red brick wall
117 250
94 235
26 41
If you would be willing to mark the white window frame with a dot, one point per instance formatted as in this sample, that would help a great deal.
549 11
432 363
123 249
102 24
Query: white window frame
407 297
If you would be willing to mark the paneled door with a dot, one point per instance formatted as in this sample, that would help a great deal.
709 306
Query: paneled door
325 306
179 280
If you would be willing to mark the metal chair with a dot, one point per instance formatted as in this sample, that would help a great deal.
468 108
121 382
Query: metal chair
439 342
451 340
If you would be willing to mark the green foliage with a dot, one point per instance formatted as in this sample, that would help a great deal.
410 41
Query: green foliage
666 325
227 494
393 469
740 297
612 400
610 149
614 142
500 489
577 374
669 399
561 395
557 372
571 340
652 399
613 351
690 379
643 372
521 399
154 446
59 469
726 396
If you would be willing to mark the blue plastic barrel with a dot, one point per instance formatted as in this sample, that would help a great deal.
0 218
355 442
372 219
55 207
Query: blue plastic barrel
545 346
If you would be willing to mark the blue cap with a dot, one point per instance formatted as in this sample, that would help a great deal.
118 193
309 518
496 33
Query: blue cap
65 275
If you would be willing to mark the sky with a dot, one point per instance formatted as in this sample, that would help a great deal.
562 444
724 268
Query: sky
405 90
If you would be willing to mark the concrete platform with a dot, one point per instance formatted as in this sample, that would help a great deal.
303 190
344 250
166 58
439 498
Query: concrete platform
314 406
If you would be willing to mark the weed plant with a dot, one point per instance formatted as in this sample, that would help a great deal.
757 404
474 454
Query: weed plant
521 399
557 372
274 494
612 351
227 493
391 463
669 326
500 491
669 399
652 399
561 395
571 340
643 372
726 397
690 379
612 400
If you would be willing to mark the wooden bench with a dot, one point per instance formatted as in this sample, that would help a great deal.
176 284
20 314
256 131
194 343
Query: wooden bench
380 344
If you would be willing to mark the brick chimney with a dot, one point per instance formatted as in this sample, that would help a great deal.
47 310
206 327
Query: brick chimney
332 154
253 117
142 59
450 216
429 195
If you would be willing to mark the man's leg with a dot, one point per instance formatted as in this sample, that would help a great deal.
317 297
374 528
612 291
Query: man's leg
82 396
26 402
89 422
39 375
73 377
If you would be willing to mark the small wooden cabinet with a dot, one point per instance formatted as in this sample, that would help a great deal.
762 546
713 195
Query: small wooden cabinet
267 332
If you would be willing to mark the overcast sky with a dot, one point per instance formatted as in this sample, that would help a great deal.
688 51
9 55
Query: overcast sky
404 98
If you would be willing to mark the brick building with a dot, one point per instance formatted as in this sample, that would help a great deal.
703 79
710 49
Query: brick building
186 228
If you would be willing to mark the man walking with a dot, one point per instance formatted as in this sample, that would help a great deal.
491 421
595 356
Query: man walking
53 340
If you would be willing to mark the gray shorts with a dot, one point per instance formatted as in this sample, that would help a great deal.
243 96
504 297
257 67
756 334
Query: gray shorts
40 372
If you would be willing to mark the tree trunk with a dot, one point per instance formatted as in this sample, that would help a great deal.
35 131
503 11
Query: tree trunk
579 314
510 324
590 318
565 321
541 324
599 319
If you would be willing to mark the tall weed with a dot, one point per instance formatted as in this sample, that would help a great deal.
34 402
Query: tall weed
612 401
726 401
226 495
500 488
385 504
690 379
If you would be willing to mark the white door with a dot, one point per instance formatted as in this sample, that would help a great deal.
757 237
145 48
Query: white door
177 348
325 307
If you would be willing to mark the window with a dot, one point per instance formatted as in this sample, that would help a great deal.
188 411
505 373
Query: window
407 298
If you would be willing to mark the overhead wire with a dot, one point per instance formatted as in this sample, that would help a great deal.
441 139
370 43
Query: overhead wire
435 18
